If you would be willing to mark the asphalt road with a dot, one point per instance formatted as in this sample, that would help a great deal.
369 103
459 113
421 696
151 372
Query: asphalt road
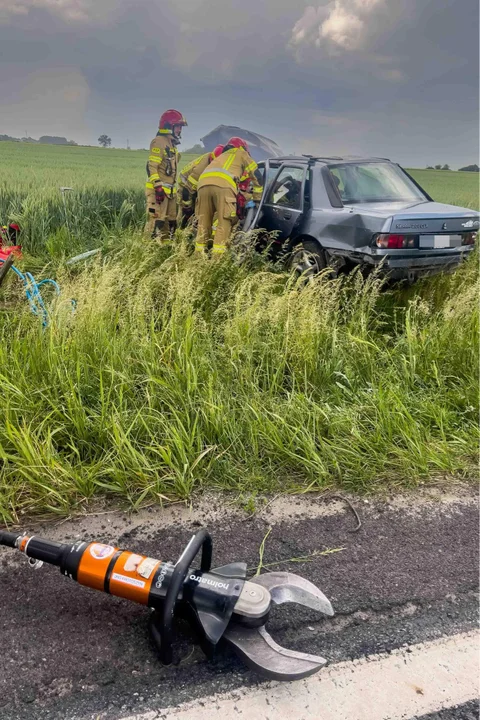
467 711
409 575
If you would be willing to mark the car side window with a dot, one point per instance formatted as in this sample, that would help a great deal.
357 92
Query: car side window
339 182
272 171
287 189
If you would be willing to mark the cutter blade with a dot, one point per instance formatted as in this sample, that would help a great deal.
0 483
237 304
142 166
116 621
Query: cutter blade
288 587
259 651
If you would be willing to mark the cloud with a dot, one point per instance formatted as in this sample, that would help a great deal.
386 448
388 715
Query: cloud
367 66
11 7
216 40
342 28
69 10
413 144
342 25
75 13
47 101
394 75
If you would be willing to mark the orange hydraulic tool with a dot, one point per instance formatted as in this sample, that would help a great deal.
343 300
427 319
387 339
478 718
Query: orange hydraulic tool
221 603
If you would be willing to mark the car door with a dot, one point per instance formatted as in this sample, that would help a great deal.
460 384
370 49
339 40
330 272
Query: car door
282 203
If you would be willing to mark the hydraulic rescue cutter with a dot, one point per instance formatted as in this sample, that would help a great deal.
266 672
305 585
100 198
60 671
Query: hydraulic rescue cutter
220 603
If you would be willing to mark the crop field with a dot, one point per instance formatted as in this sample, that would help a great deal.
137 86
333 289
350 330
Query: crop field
456 188
53 166
108 193
173 373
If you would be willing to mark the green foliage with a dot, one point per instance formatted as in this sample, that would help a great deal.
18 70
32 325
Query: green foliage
176 373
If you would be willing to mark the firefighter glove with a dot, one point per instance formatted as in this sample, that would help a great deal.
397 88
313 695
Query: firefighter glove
159 195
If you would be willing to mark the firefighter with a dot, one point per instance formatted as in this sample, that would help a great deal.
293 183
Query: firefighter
218 190
162 168
245 194
187 185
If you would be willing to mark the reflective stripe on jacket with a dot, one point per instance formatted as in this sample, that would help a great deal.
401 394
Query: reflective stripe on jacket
191 172
162 164
228 169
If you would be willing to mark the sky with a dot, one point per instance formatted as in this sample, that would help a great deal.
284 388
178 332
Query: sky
392 78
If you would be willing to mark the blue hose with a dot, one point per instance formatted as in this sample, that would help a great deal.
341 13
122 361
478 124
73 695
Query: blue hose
32 291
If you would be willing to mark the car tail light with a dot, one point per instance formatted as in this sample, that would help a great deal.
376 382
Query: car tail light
395 242
469 238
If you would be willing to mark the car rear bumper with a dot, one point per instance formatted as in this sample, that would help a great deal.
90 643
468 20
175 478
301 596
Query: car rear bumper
407 266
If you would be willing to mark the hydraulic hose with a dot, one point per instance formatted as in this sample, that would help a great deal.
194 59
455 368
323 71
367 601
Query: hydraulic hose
48 551
9 539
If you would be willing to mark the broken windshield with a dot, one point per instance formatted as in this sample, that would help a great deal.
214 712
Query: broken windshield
374 182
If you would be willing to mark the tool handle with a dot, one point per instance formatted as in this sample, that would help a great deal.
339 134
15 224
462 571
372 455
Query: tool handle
48 551
201 540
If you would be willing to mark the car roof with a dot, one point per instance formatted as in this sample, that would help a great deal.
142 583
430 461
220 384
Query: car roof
325 160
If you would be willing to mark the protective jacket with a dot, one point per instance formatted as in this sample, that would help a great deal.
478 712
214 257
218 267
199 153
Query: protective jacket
162 164
191 173
230 168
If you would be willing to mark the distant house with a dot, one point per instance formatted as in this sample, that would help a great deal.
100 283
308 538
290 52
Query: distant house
260 146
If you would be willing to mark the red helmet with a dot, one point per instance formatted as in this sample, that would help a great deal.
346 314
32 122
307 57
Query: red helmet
238 142
171 118
217 151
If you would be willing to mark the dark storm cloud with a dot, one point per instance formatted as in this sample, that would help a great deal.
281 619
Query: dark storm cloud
394 77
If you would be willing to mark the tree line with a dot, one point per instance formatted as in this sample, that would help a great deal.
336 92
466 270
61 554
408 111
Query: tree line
44 140
467 168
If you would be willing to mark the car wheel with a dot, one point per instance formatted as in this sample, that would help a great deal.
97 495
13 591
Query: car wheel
307 259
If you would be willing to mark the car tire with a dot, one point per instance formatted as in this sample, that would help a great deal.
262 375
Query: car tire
307 259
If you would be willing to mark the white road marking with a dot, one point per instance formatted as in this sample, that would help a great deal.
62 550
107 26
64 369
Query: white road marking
407 683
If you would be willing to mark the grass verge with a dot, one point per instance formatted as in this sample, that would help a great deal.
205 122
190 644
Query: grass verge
177 373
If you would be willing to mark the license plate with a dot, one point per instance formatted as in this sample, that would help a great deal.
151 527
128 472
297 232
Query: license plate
439 241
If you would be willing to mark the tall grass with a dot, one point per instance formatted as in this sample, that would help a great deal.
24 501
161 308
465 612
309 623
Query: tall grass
108 195
54 227
177 373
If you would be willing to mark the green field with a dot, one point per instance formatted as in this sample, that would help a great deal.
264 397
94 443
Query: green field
108 193
53 166
456 188
49 166
177 373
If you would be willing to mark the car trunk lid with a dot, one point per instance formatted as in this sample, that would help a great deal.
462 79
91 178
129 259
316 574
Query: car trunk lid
432 218
428 217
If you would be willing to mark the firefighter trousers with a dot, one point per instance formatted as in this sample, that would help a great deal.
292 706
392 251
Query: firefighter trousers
159 216
222 201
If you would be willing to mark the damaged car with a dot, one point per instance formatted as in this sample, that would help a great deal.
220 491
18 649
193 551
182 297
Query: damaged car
342 212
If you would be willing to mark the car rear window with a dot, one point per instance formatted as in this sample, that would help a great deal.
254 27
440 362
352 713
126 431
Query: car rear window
373 182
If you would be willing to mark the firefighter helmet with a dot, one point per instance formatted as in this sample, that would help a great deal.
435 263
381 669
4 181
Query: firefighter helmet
238 142
171 123
217 151
170 118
